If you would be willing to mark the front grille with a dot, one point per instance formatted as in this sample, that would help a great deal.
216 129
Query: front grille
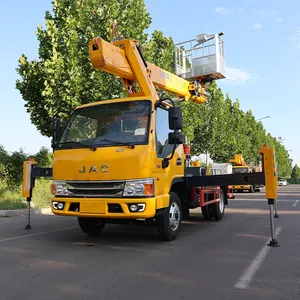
96 188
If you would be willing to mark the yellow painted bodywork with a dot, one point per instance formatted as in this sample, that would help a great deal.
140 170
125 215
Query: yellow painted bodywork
238 160
241 187
26 184
270 170
123 164
123 59
97 207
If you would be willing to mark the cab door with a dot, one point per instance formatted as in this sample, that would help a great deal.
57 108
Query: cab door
165 176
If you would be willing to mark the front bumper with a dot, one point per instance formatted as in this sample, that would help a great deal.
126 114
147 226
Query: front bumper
107 208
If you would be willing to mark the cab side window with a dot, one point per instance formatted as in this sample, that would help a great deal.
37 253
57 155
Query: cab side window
163 148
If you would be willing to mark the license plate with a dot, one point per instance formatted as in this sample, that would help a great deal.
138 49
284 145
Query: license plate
93 208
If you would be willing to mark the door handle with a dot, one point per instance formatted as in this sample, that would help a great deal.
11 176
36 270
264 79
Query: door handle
179 161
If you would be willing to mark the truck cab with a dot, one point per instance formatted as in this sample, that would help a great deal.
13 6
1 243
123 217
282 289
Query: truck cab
111 162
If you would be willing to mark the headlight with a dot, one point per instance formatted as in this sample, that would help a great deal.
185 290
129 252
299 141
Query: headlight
139 188
59 188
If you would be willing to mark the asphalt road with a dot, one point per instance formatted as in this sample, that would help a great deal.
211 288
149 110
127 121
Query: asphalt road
208 260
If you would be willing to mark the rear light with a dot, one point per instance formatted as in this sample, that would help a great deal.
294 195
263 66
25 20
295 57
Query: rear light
186 149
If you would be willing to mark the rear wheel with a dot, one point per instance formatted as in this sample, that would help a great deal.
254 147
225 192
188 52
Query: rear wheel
206 212
170 221
218 208
91 226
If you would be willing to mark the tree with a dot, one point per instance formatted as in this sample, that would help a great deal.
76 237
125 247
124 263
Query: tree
295 172
63 77
11 165
205 126
14 169
160 50
221 128
4 157
43 158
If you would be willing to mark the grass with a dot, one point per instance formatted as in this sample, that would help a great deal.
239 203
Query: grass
12 199
11 205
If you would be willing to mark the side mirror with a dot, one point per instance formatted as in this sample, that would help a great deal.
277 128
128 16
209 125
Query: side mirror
175 118
56 129
176 138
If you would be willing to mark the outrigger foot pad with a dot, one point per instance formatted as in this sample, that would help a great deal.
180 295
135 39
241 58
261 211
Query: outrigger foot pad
273 243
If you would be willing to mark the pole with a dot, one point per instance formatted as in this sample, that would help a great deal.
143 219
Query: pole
276 212
28 226
273 242
32 180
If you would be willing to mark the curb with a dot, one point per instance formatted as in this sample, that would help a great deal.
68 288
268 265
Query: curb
23 212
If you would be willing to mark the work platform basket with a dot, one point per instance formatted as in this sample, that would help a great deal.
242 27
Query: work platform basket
202 58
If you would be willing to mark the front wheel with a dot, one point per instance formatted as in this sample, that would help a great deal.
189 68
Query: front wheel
91 226
170 221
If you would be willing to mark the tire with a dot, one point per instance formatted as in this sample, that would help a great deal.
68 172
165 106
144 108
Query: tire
206 211
185 212
91 226
207 215
169 222
218 209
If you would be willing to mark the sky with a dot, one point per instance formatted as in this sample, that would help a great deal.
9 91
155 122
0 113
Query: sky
262 48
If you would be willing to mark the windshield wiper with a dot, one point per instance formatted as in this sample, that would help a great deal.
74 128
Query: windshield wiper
78 143
130 145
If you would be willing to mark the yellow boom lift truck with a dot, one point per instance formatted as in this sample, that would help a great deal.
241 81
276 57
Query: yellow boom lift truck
239 166
125 160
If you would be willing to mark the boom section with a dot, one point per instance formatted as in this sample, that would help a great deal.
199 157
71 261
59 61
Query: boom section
125 59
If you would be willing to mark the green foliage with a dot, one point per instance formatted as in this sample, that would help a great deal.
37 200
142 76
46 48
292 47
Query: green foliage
293 181
43 158
12 204
14 169
11 198
63 77
160 51
221 128
295 172
193 116
11 165
11 172
41 197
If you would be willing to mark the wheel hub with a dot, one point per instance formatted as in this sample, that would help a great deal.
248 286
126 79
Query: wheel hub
174 216
221 203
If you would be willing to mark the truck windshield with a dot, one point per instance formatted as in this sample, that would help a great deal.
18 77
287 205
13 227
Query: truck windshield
240 170
113 124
